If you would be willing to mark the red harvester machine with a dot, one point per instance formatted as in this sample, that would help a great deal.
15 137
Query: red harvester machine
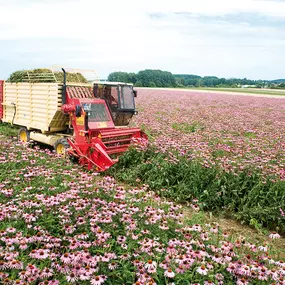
87 121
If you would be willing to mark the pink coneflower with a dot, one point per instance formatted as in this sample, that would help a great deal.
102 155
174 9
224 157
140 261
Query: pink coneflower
10 230
171 249
112 265
151 266
180 269
46 273
65 258
202 270
137 263
23 245
22 275
71 278
219 276
214 229
263 248
15 264
242 281
274 235
163 226
3 265
98 280
231 268
169 273
208 282
125 256
244 270
225 235
195 207
180 259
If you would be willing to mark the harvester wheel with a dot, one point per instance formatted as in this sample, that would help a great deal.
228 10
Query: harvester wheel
24 135
61 146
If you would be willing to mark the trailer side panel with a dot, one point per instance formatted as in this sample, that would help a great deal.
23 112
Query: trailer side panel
34 105
1 98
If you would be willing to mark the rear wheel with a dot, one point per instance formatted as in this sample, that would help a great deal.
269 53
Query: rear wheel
24 135
61 146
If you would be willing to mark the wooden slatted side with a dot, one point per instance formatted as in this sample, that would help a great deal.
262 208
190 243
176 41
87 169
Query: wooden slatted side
33 105
1 98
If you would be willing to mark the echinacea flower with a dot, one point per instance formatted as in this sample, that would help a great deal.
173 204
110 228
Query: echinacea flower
112 265
98 280
169 273
274 235
202 270
151 266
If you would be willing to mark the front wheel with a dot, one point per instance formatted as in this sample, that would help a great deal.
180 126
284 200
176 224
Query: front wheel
61 146
24 135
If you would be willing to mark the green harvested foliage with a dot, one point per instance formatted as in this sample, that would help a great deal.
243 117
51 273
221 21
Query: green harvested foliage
45 75
247 196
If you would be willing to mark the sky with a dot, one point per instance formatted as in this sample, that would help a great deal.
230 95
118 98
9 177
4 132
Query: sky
224 38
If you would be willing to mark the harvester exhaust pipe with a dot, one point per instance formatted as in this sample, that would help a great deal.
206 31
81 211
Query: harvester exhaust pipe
63 96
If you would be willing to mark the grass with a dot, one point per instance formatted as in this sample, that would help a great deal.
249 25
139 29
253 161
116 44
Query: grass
8 130
187 128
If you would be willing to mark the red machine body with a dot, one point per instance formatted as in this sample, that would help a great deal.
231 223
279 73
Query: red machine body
96 141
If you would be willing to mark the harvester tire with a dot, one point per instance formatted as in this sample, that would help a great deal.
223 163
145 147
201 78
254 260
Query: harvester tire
24 135
61 146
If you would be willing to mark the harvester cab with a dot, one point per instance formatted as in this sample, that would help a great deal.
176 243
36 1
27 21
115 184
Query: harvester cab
119 98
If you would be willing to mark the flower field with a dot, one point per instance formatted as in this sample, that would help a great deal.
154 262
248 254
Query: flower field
226 150
60 224
233 132
63 225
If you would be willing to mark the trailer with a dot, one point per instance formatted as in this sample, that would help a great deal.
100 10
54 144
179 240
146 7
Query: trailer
86 121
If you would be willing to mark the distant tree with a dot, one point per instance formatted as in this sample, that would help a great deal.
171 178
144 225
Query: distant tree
158 83
119 76
159 77
138 84
132 78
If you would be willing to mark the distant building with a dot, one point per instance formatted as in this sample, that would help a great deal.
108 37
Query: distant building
248 86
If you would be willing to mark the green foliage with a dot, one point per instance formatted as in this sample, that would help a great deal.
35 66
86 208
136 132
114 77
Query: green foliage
138 84
246 195
158 77
249 135
187 128
145 78
119 76
211 81
8 130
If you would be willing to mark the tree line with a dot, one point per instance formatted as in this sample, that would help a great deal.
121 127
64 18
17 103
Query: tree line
159 78
145 78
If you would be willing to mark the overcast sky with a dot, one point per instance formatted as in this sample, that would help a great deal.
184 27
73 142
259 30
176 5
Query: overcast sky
225 38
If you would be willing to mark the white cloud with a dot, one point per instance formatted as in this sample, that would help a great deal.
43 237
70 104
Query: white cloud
220 7
121 35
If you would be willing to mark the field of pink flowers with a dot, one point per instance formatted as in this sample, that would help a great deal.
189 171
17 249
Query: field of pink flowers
233 132
60 224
